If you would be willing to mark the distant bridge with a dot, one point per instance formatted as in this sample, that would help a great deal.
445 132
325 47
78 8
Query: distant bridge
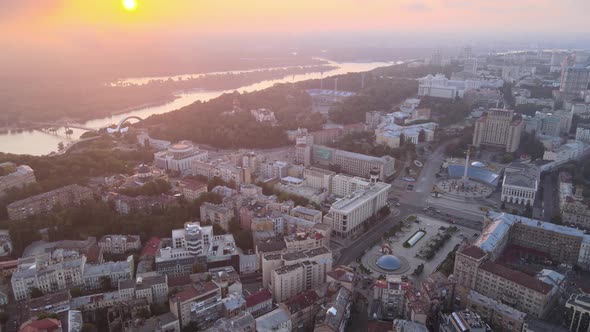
122 122
68 125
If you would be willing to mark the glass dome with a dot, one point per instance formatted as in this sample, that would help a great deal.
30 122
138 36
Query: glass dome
389 262
478 164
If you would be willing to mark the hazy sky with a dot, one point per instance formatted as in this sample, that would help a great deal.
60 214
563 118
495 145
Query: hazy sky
63 32
59 22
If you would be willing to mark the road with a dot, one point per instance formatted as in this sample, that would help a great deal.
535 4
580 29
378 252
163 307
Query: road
412 202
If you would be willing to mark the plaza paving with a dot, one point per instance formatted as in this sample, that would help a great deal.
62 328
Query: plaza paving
469 189
408 256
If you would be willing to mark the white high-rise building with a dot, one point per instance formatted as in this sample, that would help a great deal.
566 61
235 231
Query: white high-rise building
362 199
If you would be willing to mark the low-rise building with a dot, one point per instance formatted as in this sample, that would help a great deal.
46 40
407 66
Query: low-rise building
259 303
67 196
119 244
393 135
573 150
337 314
277 320
307 214
107 275
302 309
153 288
243 322
164 323
13 176
233 304
499 315
201 304
465 321
191 189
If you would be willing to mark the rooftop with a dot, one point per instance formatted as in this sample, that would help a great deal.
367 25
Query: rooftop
302 300
272 320
504 309
502 222
258 297
516 276
352 201
199 289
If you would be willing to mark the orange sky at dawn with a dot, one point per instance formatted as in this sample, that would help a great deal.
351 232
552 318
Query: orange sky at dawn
54 22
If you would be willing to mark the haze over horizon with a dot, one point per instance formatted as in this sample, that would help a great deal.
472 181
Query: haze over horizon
101 34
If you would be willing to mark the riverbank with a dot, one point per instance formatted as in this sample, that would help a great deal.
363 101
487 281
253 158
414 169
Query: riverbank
41 143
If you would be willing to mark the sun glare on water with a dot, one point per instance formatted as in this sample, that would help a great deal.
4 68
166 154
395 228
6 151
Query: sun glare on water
129 5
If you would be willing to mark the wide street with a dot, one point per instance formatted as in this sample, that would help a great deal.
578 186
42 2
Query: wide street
413 202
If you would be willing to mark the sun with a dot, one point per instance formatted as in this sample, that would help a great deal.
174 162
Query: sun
129 5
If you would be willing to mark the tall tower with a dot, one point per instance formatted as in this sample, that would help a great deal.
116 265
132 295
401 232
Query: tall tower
467 153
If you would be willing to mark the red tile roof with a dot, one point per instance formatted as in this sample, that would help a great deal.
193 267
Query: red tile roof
257 298
196 291
151 247
516 276
302 300
179 281
192 184
474 252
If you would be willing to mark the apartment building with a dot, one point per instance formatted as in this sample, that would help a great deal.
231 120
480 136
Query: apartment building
477 269
336 317
274 260
179 157
353 163
318 178
390 295
227 171
574 81
216 214
499 315
289 280
107 275
153 288
348 214
67 196
47 275
498 128
13 176
200 303
119 244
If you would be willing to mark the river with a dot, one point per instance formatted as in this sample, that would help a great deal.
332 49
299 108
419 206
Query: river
37 142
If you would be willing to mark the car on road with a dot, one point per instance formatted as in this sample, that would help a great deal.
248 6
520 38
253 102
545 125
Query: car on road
408 179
